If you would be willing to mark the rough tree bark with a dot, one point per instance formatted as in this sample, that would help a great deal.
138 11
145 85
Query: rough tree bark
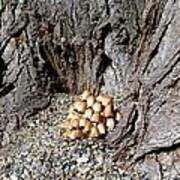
128 49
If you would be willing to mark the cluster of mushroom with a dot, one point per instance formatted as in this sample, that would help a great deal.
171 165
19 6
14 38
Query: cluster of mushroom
89 116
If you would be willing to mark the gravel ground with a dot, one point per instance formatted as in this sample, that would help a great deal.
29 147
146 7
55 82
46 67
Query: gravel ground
39 151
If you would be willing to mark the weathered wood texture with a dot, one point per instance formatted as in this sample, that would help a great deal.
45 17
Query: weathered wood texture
128 49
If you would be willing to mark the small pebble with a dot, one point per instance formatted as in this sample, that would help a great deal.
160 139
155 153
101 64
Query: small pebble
13 177
83 159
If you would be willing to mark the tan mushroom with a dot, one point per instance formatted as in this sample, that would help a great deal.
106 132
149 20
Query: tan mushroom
105 100
74 123
71 109
85 95
96 117
110 123
82 122
87 127
101 128
73 115
90 101
99 98
77 133
67 133
67 124
88 113
97 107
90 116
94 133
80 106
108 111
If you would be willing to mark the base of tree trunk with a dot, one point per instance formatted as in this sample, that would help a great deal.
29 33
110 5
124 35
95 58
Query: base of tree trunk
129 50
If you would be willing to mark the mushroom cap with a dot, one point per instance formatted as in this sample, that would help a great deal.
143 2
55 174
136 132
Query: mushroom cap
67 133
97 107
101 128
99 98
71 109
74 123
67 124
96 117
105 100
82 122
80 106
85 94
76 133
110 123
88 113
73 115
94 133
90 101
108 111
87 127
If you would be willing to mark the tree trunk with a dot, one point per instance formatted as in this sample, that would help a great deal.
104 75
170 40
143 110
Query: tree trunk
127 49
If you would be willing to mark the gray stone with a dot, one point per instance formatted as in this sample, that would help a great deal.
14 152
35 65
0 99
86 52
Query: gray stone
83 159
6 139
